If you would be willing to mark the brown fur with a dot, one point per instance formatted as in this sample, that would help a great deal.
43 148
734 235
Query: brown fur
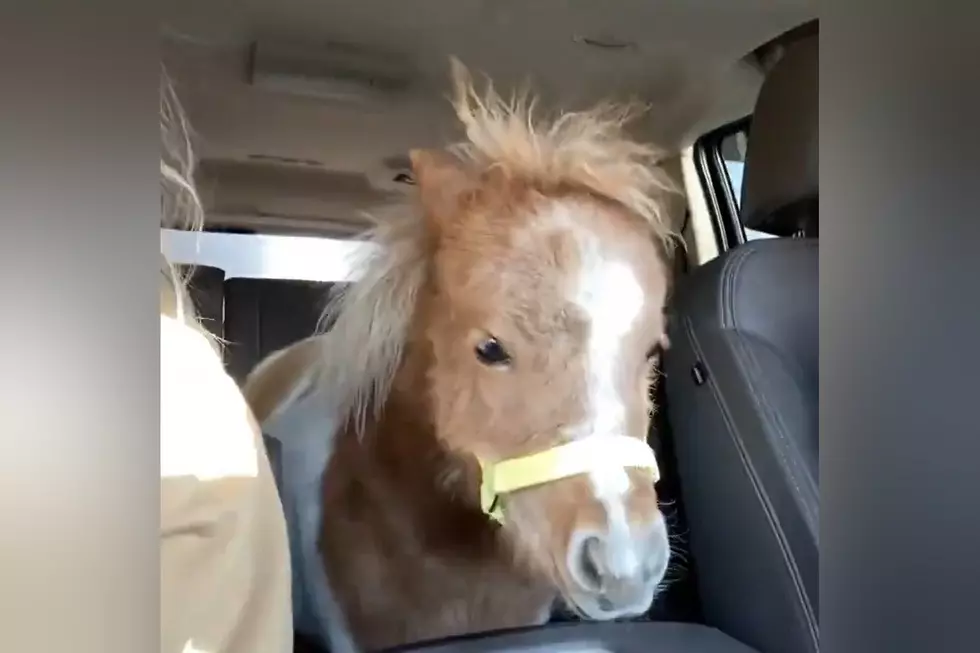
409 554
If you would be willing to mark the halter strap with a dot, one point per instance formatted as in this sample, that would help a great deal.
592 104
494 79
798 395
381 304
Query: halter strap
570 459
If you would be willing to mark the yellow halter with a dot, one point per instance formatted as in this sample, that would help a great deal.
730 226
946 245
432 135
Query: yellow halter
576 457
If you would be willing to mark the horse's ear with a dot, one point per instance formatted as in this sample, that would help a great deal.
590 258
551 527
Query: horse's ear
441 180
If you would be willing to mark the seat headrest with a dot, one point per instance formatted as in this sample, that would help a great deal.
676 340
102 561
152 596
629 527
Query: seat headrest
781 178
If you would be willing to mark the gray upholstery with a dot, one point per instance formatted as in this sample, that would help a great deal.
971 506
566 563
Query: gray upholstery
649 637
742 384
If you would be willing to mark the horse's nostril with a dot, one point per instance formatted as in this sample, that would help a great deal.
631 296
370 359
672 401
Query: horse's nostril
589 566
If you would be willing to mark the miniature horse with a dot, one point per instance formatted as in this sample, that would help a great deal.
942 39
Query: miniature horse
484 386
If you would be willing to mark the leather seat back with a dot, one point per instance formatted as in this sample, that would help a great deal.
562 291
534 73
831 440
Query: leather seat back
265 315
742 385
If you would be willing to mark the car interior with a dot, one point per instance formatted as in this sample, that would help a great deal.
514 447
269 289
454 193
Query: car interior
303 115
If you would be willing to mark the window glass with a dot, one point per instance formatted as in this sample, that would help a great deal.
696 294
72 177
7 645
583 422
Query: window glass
264 256
733 154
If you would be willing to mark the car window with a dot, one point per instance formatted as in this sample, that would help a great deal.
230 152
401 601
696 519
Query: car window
265 256
732 148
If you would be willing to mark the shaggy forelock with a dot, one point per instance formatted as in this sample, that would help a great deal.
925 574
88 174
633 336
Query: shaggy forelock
587 149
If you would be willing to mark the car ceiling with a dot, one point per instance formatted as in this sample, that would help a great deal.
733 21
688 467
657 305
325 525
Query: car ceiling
273 159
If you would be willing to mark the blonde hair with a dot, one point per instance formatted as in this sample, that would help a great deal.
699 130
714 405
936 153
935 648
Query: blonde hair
180 204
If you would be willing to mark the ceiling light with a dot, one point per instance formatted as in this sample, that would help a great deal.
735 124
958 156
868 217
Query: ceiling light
333 72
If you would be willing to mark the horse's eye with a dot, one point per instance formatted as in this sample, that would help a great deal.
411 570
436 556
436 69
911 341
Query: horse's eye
653 352
491 352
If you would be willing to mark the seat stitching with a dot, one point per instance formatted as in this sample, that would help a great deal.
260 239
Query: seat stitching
799 475
746 359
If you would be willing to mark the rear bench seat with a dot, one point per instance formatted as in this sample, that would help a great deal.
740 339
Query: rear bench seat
265 315
254 316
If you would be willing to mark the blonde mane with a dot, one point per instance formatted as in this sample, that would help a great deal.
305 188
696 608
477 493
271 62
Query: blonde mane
369 320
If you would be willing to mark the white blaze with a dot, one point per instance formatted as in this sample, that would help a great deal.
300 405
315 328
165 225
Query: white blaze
611 296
